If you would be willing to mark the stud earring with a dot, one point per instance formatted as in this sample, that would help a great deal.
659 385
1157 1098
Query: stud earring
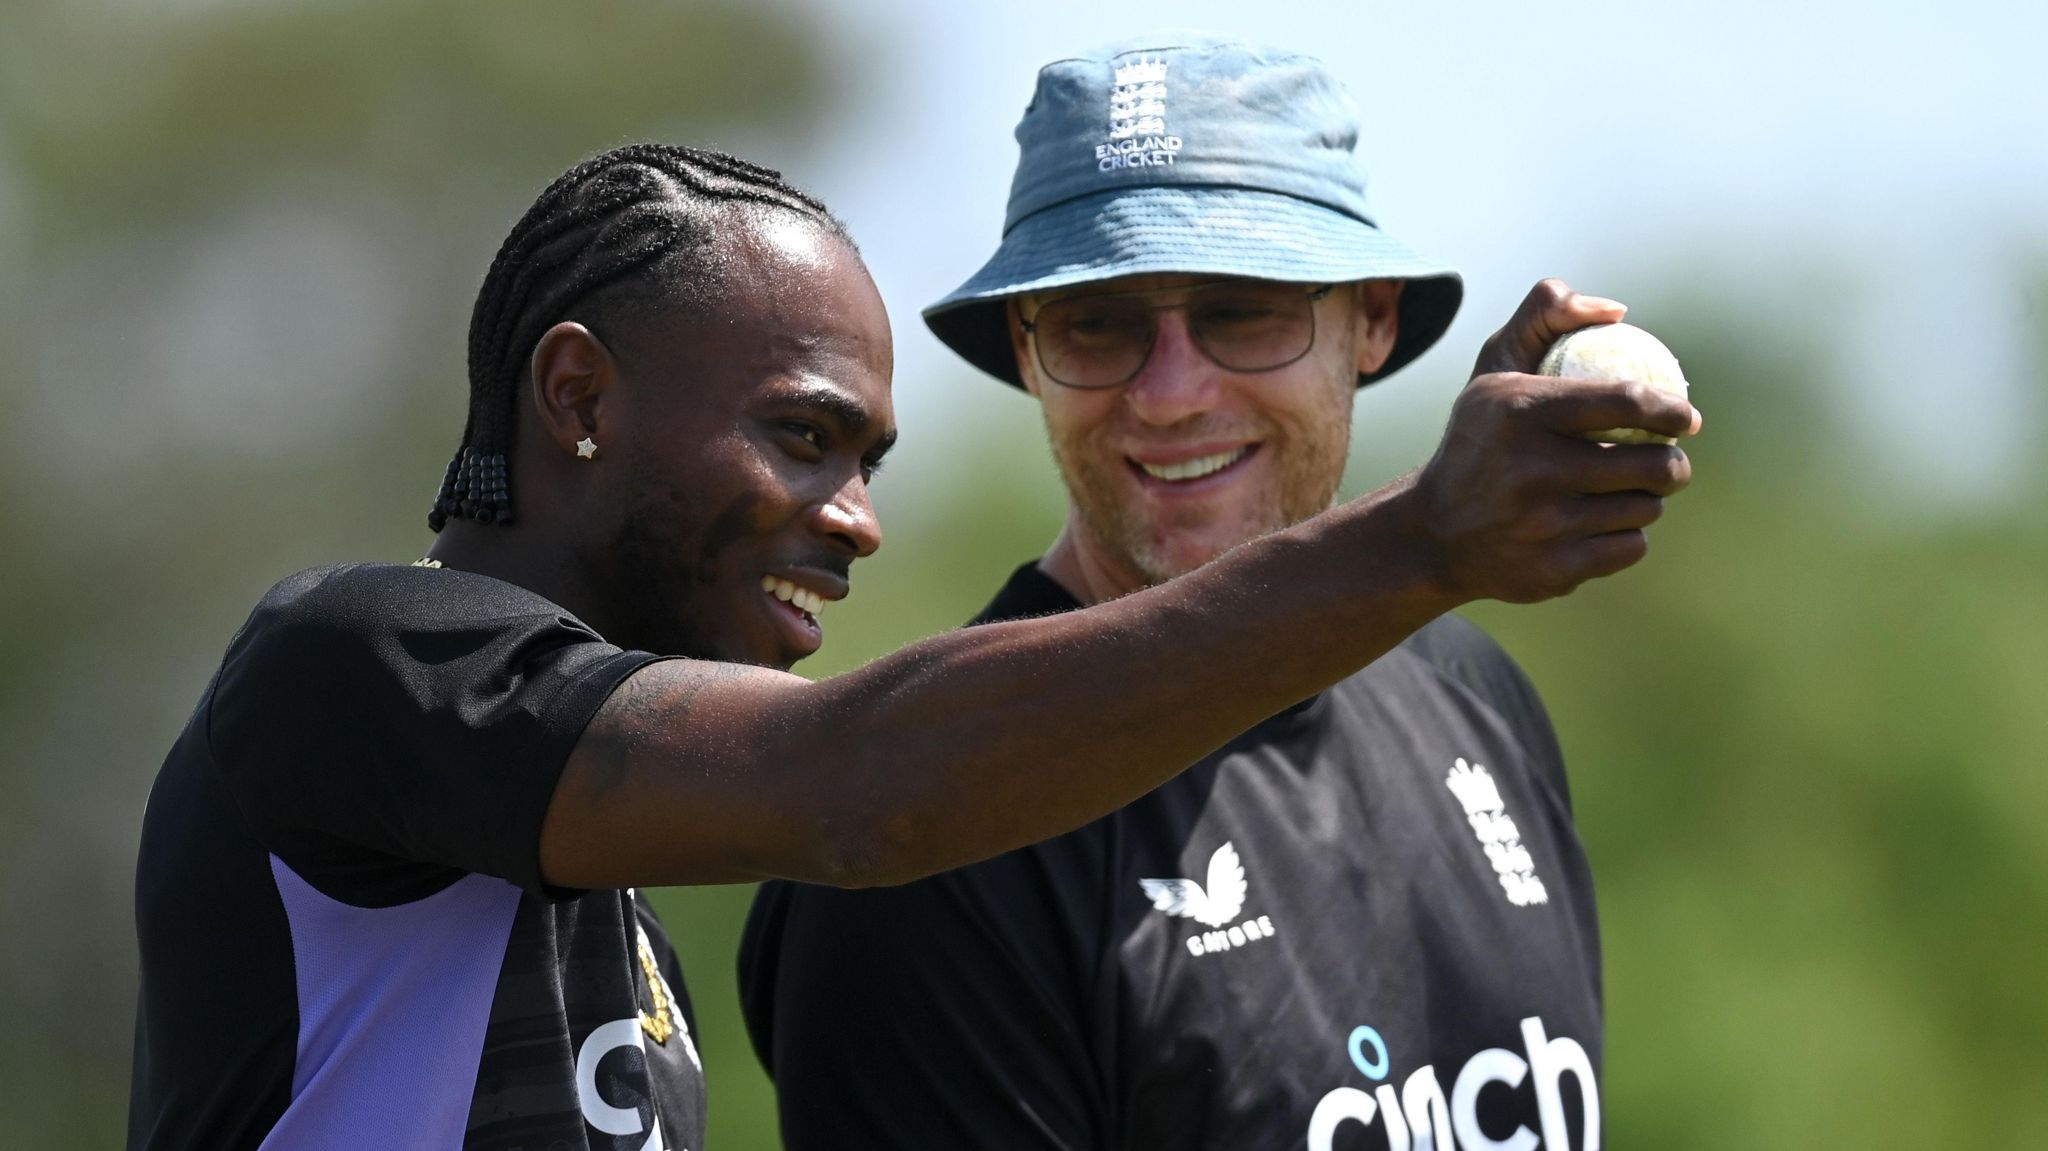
586 448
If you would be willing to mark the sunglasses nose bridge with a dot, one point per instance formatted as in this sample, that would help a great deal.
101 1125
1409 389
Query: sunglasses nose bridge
1161 333
1178 379
1173 338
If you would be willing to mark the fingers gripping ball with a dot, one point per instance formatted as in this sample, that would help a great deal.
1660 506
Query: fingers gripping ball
1616 352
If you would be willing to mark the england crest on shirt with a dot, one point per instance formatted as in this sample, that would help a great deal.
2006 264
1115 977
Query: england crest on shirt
1499 838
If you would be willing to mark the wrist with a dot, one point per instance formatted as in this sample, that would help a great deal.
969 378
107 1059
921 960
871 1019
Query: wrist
1414 557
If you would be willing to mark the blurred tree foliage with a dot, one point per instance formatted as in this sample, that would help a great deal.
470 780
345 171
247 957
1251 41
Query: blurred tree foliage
1801 734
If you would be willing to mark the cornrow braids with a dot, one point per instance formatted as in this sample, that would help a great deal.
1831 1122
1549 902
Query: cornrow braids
632 222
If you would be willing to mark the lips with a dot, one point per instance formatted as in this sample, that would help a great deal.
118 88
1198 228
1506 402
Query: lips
794 597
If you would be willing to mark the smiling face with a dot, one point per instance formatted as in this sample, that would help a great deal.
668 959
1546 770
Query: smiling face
1188 459
735 488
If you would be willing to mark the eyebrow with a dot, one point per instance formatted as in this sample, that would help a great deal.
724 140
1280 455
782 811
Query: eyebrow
842 407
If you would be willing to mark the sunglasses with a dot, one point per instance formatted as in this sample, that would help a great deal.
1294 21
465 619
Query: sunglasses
1103 340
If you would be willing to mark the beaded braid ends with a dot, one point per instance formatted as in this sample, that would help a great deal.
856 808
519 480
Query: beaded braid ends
638 213
477 487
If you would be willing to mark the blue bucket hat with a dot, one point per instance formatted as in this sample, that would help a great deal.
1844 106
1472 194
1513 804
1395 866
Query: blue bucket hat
1193 154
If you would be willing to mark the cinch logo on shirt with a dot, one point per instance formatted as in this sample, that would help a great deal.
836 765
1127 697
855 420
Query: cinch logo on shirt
660 1021
1215 905
1498 835
1420 1118
598 1111
1137 119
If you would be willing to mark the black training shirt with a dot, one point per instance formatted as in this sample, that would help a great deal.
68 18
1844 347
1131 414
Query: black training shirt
1367 922
345 938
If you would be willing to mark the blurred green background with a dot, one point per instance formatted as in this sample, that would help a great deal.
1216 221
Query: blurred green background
238 245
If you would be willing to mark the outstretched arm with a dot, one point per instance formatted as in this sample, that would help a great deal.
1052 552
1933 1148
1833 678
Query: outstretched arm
972 743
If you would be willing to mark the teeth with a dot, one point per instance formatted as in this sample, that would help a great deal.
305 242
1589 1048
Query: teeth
1193 469
803 599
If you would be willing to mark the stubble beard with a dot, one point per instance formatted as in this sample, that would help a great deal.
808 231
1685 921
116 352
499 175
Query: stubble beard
661 558
1308 463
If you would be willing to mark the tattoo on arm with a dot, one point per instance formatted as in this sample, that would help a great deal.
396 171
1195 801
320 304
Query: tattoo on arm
642 708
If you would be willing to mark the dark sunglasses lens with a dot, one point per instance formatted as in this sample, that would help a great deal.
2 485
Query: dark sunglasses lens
1252 327
1094 341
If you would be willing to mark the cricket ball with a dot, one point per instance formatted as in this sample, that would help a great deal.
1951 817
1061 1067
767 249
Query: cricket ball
1616 352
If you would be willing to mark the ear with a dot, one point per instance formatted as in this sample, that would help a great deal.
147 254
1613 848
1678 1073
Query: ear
1020 343
1376 322
573 373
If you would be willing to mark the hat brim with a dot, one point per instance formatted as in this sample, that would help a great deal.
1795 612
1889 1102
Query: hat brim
1194 230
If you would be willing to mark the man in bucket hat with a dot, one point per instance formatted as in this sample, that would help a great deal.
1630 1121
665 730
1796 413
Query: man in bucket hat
1366 922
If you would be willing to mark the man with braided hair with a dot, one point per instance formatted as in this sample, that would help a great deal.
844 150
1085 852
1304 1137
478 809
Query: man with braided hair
387 886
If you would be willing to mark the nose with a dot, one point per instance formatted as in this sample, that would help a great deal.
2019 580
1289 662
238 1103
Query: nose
1177 380
849 518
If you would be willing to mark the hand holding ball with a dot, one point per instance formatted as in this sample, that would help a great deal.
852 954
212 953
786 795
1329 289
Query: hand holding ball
1616 352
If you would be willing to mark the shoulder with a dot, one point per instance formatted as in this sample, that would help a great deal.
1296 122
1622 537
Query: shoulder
1461 651
312 613
1028 594
384 595
1459 648
366 637
330 612
420 714
1460 654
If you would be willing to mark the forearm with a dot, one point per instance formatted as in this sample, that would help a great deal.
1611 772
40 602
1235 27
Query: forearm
1003 735
978 741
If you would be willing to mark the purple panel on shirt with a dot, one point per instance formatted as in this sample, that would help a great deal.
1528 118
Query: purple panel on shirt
393 1002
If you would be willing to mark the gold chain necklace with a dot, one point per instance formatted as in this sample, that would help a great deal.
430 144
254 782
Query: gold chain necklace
660 1024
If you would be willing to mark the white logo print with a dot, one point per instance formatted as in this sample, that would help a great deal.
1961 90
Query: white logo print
1137 105
1498 835
599 1112
664 1023
1137 118
1420 1117
1215 905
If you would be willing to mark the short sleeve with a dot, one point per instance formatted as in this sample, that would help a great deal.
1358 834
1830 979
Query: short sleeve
950 1012
382 727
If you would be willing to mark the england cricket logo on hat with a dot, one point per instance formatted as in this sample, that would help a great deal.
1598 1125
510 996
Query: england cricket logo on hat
1137 118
